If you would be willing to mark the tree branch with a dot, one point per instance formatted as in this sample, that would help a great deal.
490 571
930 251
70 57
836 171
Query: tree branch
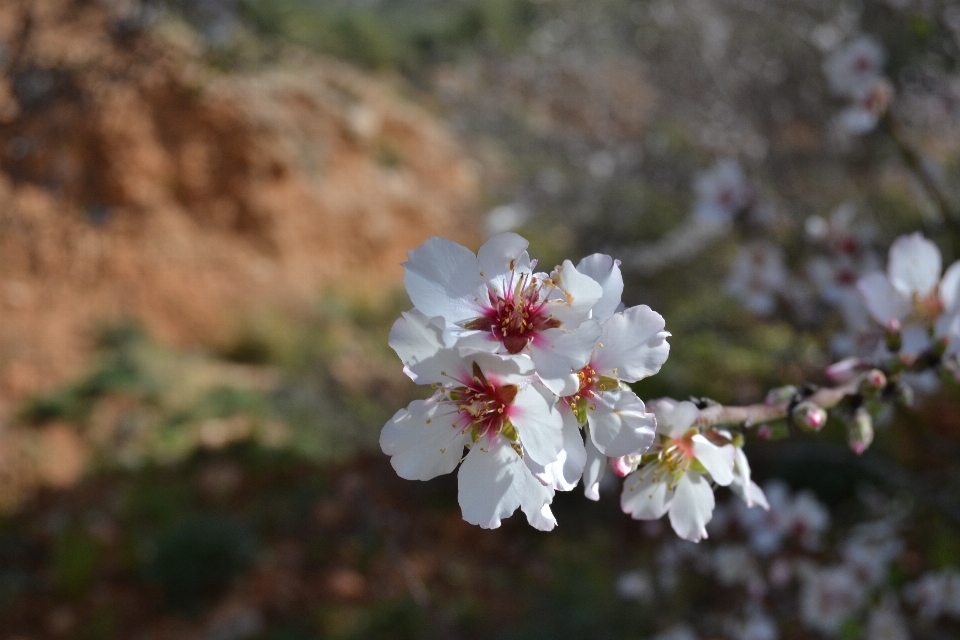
752 415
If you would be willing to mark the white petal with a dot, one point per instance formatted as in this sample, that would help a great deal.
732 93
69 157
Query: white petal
674 418
620 424
606 271
593 470
914 265
950 288
643 497
634 344
884 302
493 482
692 507
503 254
443 279
565 472
534 413
751 494
717 460
575 296
420 347
501 370
422 440
560 352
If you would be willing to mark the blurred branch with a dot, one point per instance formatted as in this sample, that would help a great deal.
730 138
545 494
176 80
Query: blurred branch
914 162
752 415
679 245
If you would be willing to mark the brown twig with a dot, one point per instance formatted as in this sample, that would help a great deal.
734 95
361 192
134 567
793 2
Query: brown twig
756 414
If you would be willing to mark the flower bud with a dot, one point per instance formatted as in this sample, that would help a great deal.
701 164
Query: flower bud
892 337
860 431
843 371
905 395
780 394
873 382
810 416
621 466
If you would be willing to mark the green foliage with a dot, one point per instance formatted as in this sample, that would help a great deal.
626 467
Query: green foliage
197 558
74 561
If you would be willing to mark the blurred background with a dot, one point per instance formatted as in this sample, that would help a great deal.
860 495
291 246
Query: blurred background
203 208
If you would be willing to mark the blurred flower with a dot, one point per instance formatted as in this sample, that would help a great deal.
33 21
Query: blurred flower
870 550
801 516
722 193
506 217
676 480
935 594
863 115
759 274
828 598
886 622
679 632
852 70
636 585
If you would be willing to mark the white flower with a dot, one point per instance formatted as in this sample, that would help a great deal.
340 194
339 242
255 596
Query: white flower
870 550
802 516
748 490
722 192
828 598
679 632
493 301
677 478
912 289
758 276
486 403
864 114
852 70
636 585
886 622
935 594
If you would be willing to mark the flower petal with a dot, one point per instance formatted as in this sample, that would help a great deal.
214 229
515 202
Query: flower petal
593 470
502 254
914 265
645 497
674 418
634 344
692 507
560 352
620 424
575 296
883 300
443 279
419 345
564 473
539 423
717 460
950 288
493 482
606 271
423 440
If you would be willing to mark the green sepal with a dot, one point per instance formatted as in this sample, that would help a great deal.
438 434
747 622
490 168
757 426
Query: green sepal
609 384
581 411
509 431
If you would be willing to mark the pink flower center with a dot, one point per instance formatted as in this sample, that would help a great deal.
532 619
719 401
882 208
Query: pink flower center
516 315
483 405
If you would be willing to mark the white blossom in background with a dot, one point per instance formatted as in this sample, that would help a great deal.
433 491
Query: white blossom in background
722 193
636 585
759 277
828 598
852 70
797 516
886 622
935 594
676 479
870 550
911 297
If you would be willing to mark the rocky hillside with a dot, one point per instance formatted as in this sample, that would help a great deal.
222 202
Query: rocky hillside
137 181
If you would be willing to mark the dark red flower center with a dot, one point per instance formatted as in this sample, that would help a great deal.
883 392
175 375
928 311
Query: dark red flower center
515 315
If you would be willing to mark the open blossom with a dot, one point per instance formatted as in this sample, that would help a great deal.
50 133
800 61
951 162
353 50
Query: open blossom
722 193
495 302
758 277
801 516
911 294
676 478
852 70
828 598
489 404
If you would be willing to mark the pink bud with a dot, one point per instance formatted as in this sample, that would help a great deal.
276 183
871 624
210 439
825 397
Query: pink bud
765 432
810 416
876 379
621 466
893 325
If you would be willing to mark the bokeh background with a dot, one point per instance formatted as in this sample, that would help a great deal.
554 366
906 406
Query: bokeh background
203 208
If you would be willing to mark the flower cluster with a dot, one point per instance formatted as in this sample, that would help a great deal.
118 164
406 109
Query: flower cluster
529 370
855 73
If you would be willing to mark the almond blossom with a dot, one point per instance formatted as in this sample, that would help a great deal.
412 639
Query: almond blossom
911 297
852 70
675 480
488 404
722 193
493 301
